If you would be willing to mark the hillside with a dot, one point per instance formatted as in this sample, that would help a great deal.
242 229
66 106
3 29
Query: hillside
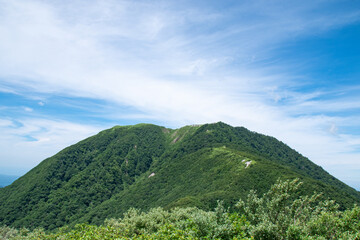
145 166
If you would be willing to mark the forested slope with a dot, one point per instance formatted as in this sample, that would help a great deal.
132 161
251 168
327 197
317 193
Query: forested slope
147 166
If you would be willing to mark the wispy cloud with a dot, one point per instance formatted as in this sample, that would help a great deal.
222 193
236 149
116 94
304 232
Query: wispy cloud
179 63
26 142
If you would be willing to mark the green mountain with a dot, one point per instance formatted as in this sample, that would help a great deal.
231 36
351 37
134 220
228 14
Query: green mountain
145 166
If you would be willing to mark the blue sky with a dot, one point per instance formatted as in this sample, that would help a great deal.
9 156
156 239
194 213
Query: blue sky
289 69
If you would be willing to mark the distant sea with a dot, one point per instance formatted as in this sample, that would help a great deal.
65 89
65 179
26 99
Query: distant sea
6 180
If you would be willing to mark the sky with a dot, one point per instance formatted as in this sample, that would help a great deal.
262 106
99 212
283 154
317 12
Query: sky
288 69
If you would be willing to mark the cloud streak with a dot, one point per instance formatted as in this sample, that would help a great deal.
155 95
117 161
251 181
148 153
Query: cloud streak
24 143
176 64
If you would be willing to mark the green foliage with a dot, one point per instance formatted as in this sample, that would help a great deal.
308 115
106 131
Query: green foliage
191 223
8 233
105 175
65 187
179 223
278 214
282 214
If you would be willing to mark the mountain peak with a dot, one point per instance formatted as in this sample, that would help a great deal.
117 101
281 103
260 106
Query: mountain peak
195 165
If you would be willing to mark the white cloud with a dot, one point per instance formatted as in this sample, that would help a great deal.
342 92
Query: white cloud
47 138
5 123
27 109
153 57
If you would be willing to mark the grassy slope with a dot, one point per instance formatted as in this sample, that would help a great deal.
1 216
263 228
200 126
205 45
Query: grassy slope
106 174
201 178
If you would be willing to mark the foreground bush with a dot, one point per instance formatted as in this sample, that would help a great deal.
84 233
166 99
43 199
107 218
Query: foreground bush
179 223
282 214
278 214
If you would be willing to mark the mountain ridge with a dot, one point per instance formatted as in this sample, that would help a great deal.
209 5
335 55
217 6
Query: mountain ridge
104 175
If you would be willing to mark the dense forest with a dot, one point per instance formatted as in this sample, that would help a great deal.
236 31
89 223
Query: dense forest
147 166
278 214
